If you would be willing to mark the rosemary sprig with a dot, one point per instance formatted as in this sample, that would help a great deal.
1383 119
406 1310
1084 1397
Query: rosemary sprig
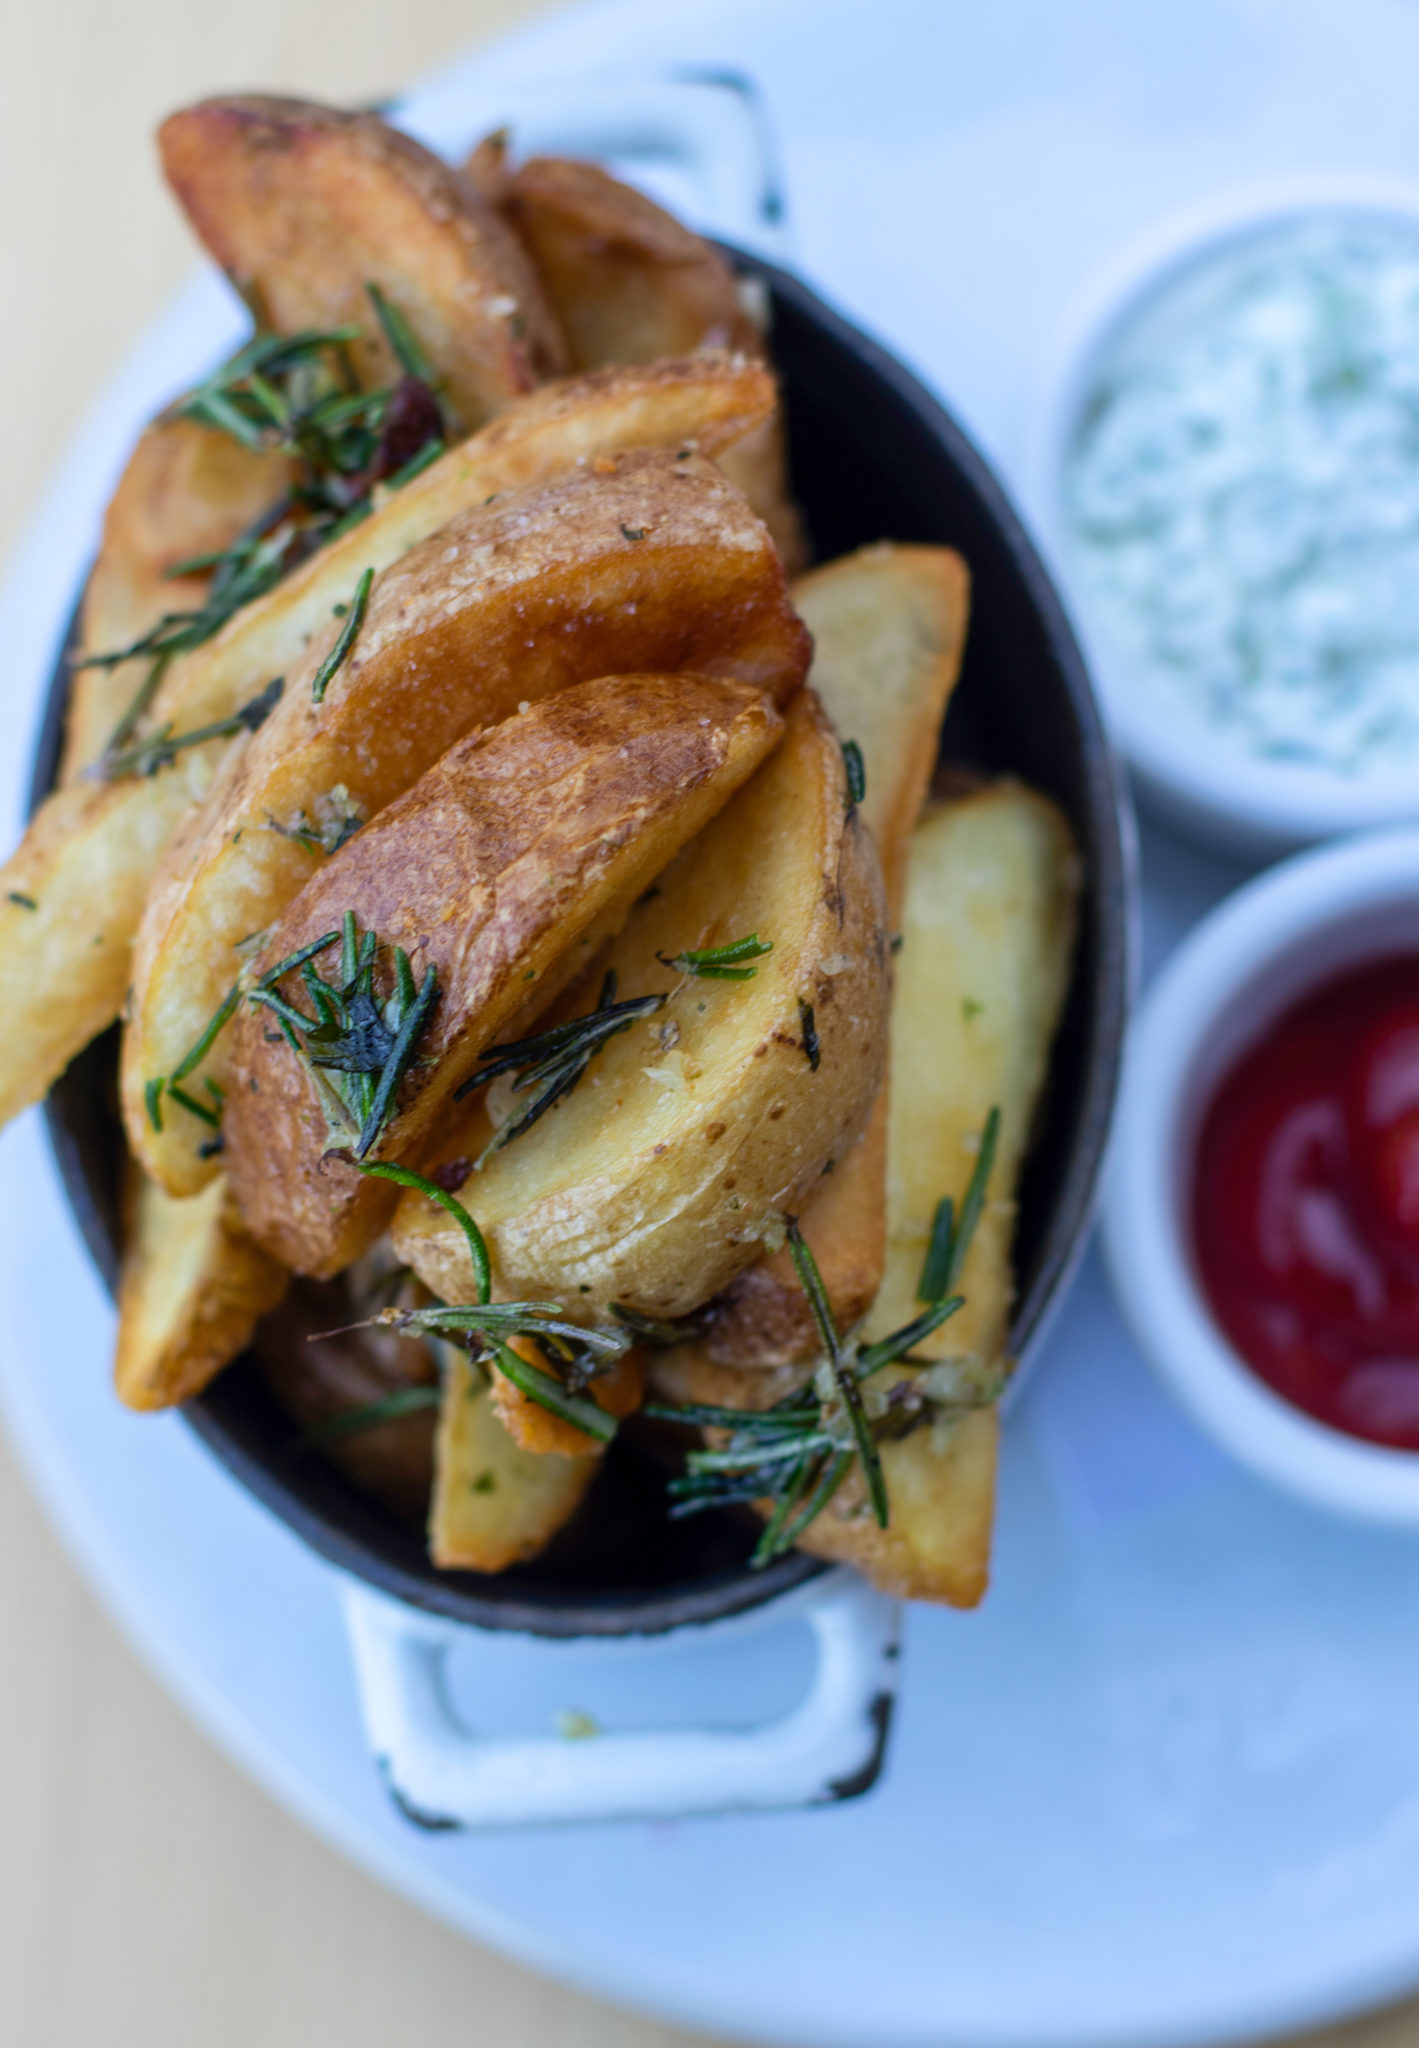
950 1239
358 1049
489 1324
720 963
146 757
549 1065
291 394
855 769
403 342
354 619
797 1454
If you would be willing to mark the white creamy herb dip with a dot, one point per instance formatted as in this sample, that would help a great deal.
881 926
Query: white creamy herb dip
1242 492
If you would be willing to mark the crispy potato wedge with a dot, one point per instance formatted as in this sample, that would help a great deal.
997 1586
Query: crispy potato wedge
619 1392
989 932
501 870
494 1503
889 627
658 1178
629 283
302 206
90 856
193 1288
188 491
641 562
321 1371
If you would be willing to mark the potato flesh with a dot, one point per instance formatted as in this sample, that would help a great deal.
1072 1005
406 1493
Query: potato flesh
989 930
193 1288
649 562
888 626
619 1392
301 205
494 1503
658 1178
90 857
502 869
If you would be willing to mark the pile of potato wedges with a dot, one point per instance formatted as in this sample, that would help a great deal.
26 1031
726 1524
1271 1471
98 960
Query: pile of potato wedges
560 993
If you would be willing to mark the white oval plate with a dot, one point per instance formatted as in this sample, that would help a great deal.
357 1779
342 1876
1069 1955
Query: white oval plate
1164 1787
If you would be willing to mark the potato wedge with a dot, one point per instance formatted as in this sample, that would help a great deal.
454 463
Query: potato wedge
302 206
499 871
889 627
494 1503
641 562
193 1288
91 854
659 1177
629 283
188 491
989 932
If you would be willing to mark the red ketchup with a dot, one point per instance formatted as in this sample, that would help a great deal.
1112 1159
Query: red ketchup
1305 1204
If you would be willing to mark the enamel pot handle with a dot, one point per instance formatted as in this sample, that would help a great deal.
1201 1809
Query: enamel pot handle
443 1775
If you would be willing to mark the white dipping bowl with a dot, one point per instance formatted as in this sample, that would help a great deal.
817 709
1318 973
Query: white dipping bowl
1189 773
1309 919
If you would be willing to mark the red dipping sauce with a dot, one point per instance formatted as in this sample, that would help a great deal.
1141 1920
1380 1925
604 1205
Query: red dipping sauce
1305 1204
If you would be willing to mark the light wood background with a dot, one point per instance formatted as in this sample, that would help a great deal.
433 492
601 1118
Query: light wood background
150 1897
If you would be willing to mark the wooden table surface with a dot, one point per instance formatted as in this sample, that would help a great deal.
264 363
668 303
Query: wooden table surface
149 1896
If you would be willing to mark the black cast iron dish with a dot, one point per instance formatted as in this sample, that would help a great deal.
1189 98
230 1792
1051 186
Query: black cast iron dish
874 457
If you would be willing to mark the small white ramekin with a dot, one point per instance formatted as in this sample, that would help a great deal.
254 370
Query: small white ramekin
1314 916
1183 771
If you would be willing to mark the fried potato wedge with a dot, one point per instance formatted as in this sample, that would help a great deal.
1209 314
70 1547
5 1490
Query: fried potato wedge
500 871
91 854
188 491
494 1503
989 932
629 283
193 1288
644 561
303 206
889 628
660 1176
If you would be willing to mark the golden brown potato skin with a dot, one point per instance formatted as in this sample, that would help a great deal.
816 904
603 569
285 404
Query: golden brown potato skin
302 205
189 490
619 1392
658 1178
630 283
637 562
500 869
889 628
193 1288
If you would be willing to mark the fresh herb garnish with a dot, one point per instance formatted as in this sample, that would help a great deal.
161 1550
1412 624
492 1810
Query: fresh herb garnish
549 1065
17 896
856 771
484 1326
294 395
795 1455
812 1047
950 1239
357 1048
146 757
354 619
720 963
